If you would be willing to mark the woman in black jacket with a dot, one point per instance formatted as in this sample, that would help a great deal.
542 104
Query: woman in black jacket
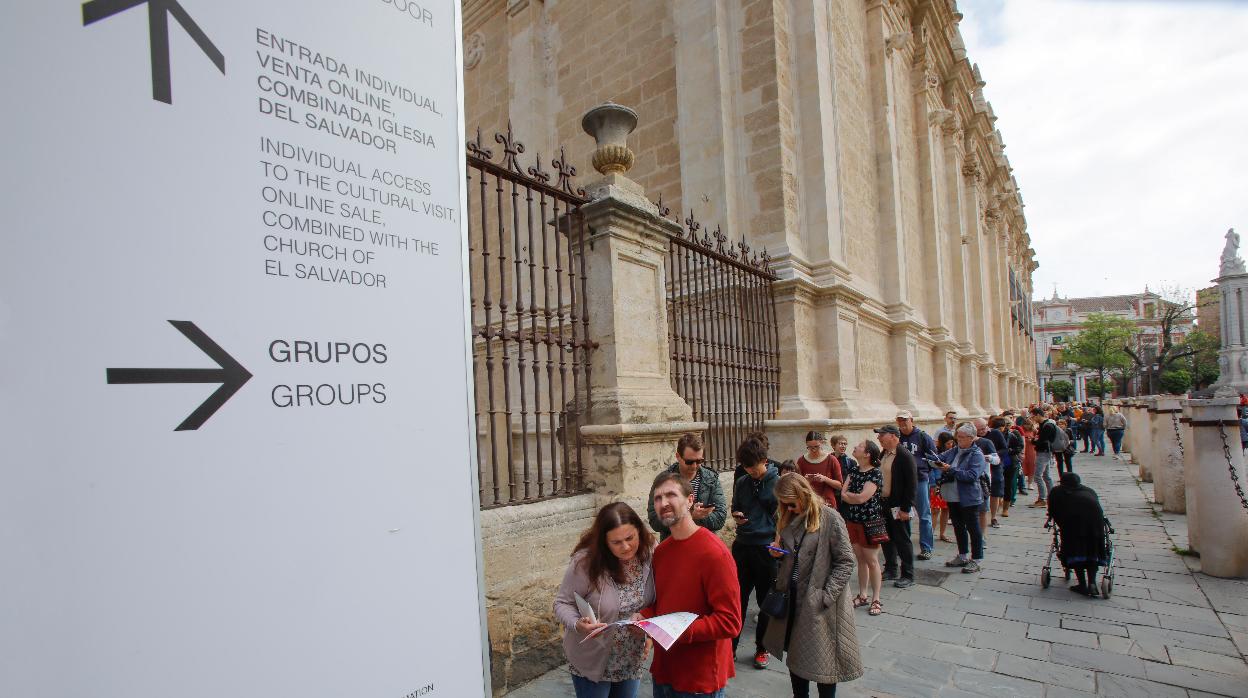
1076 510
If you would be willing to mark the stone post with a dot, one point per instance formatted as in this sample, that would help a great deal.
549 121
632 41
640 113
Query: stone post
634 416
1190 472
1222 521
1145 458
1168 483
1135 423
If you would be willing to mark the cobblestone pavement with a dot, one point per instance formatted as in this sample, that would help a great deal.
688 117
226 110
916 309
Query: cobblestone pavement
1167 630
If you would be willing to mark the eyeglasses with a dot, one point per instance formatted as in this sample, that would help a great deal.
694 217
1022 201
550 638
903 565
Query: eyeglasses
694 461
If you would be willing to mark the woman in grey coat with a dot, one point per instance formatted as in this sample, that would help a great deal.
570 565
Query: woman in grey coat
818 633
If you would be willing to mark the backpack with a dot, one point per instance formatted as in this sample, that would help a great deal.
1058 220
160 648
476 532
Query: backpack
1061 441
1014 443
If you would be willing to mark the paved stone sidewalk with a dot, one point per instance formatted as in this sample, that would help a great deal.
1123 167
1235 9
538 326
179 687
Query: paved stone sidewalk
1167 630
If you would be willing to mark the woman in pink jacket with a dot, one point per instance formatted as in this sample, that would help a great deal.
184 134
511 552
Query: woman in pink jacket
610 570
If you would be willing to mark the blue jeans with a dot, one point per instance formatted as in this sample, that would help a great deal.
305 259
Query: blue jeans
605 689
662 690
1044 481
923 506
1098 440
1115 439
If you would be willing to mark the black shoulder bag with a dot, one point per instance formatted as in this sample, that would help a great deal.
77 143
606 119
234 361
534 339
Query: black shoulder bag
776 604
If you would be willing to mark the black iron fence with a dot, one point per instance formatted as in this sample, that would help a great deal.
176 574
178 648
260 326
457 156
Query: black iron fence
530 329
725 360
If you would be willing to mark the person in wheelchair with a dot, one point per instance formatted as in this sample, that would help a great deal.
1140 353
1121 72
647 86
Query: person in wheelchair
1076 510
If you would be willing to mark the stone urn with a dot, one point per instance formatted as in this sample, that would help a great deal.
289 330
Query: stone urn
610 125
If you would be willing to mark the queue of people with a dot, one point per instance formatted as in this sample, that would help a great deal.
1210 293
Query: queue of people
804 529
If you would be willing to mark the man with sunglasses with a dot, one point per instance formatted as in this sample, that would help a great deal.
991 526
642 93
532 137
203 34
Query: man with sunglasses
710 507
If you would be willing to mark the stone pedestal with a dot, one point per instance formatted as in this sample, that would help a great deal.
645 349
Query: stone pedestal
1137 426
1233 356
1168 483
1221 520
634 417
1128 437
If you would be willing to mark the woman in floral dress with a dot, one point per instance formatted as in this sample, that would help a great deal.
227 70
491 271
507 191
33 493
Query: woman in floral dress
860 502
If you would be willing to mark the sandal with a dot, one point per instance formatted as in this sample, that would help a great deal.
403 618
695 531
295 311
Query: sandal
946 539
860 601
876 608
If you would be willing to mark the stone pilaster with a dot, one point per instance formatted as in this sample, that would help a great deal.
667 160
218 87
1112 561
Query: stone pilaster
903 346
800 358
947 367
888 50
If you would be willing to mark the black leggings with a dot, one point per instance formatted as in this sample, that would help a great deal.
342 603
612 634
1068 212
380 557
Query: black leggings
801 687
1066 459
1087 575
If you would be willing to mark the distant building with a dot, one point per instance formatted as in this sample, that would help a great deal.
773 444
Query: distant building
1057 322
1209 311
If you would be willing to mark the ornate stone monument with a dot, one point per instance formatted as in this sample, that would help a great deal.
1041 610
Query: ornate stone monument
1233 287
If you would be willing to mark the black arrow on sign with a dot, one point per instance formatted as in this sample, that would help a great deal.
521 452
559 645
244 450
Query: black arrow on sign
231 375
158 12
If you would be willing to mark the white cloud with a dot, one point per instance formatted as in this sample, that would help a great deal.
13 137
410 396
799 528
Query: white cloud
1127 126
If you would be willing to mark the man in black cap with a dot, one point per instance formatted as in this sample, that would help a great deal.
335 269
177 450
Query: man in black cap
900 475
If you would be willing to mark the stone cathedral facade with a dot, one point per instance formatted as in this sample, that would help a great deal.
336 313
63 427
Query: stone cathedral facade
850 138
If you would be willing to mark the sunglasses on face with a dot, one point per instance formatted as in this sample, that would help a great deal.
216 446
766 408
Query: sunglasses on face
694 461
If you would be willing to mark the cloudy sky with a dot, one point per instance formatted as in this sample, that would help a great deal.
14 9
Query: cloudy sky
1127 126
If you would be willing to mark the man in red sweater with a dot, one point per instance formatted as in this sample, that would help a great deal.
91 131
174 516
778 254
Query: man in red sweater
694 572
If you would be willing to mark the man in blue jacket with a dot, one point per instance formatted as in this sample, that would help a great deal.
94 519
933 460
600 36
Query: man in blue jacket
923 448
754 510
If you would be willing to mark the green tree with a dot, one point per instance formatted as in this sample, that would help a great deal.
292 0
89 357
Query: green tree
1173 310
1176 381
1100 387
1202 358
1060 390
1100 347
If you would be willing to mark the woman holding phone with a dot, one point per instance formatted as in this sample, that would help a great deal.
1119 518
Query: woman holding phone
816 638
610 570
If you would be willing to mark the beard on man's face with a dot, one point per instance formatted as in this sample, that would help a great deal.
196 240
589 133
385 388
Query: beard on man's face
670 514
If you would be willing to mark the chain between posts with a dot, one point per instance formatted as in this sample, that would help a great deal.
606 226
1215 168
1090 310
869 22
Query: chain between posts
1226 451
1178 437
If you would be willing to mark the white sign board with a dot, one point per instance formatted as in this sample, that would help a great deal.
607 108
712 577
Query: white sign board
235 398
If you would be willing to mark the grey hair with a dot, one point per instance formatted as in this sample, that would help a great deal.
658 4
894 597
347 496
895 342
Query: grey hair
968 429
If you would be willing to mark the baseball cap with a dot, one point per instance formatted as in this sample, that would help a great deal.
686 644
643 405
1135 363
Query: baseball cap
905 414
889 429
